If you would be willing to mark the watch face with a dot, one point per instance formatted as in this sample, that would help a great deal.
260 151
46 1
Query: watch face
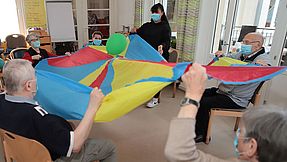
187 101
183 101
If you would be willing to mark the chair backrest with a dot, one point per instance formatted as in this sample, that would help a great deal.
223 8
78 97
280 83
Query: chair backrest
17 53
15 41
173 56
256 96
21 149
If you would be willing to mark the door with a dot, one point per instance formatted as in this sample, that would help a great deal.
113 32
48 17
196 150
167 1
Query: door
226 12
98 18
90 16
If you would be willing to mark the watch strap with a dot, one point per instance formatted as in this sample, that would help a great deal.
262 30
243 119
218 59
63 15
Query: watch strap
188 101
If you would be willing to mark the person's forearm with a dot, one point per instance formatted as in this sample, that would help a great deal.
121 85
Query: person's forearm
82 132
188 111
180 146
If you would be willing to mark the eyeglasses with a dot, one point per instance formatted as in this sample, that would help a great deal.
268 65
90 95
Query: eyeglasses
33 40
241 137
249 42
238 132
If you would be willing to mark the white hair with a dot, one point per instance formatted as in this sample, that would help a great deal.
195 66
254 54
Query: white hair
16 73
31 36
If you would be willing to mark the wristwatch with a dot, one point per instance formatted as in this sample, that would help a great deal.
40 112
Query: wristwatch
188 101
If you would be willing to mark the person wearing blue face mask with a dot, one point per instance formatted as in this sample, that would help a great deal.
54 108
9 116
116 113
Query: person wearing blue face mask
96 39
35 53
157 33
232 96
261 136
251 47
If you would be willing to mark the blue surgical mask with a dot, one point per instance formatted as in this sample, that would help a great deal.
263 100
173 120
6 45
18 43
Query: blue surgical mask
36 44
246 49
155 17
97 42
235 144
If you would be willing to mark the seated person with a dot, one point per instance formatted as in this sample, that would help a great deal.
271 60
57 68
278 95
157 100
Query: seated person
35 53
22 115
232 96
96 39
261 136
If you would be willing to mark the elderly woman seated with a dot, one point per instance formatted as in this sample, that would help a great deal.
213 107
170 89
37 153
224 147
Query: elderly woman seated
35 53
260 138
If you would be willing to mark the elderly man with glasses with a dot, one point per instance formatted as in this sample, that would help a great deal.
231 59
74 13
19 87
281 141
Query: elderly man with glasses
232 96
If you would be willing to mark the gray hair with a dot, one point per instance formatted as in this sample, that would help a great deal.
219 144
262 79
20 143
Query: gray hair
268 126
30 36
16 73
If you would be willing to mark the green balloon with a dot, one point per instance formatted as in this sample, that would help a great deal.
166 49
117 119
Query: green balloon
1 63
116 44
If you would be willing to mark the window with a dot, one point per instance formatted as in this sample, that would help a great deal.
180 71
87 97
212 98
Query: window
9 24
171 13
98 17
90 16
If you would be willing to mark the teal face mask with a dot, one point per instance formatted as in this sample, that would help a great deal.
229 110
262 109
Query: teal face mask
36 44
155 17
235 144
97 42
246 49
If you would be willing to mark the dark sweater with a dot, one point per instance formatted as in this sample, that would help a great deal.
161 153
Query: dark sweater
31 52
33 122
156 34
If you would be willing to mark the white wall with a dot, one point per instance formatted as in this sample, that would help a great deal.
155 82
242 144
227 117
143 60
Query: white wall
123 14
126 13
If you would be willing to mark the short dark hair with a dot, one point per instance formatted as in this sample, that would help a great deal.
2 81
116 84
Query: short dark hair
97 32
268 126
155 8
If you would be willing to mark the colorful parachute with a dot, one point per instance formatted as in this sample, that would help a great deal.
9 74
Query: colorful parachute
128 80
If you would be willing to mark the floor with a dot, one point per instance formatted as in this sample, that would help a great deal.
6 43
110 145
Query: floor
277 94
140 136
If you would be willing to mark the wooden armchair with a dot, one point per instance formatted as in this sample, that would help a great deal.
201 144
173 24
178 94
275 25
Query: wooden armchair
232 112
21 149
